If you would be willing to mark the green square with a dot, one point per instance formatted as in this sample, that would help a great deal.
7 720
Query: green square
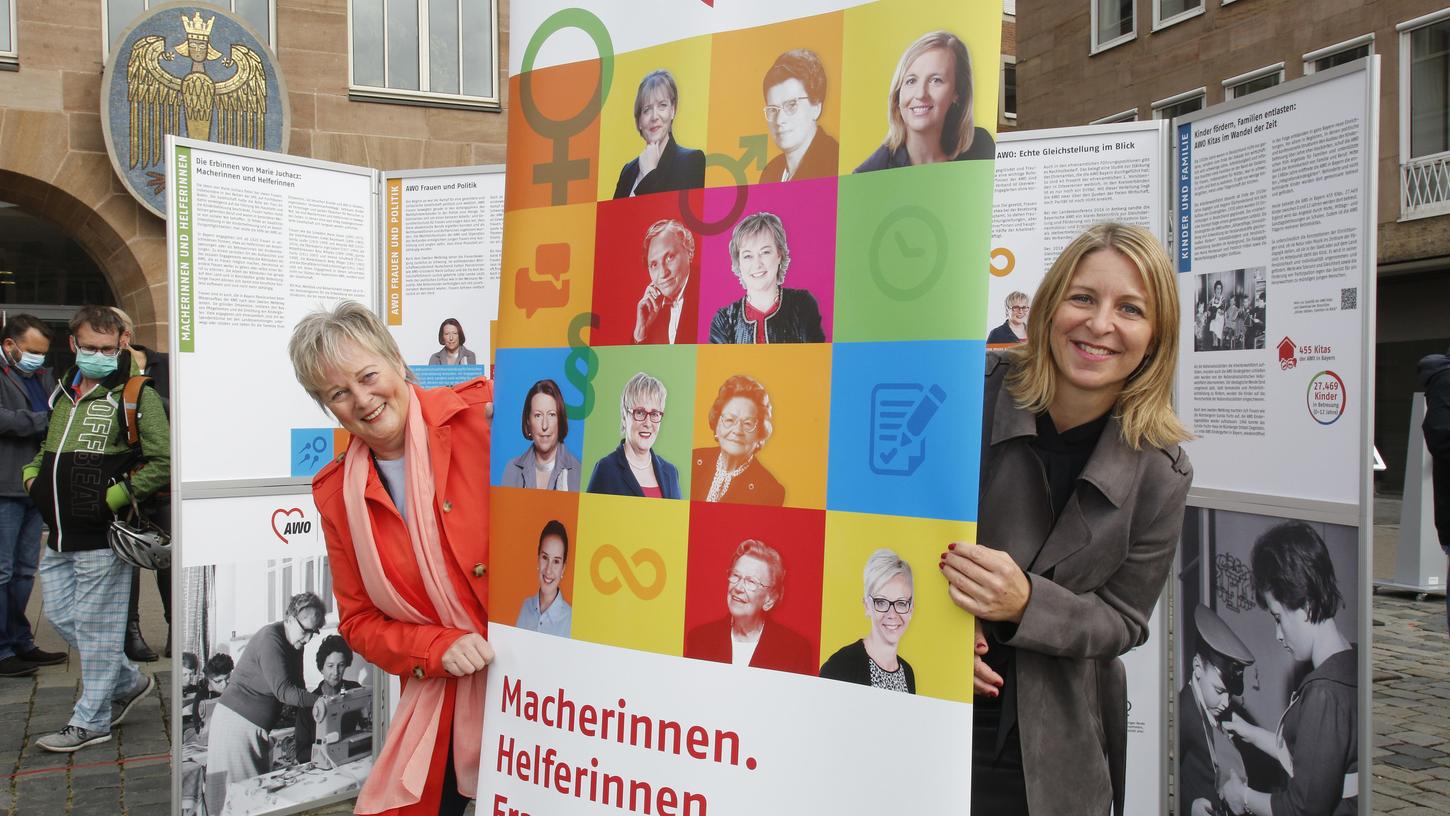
912 253
672 365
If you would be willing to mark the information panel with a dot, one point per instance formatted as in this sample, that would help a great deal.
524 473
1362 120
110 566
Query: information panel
741 332
1275 241
257 241
1053 184
1274 236
442 246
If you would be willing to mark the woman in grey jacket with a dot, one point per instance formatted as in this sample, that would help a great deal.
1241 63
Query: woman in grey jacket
1081 501
547 464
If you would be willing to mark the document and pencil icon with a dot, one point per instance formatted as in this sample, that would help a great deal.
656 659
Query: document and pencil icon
900 414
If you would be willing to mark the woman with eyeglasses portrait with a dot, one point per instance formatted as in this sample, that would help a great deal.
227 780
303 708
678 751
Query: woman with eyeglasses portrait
747 636
741 420
633 468
874 660
1014 329
795 92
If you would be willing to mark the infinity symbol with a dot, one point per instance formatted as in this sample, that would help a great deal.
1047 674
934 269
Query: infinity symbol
609 586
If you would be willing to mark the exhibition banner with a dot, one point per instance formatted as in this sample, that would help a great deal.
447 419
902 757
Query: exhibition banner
741 330
1051 185
1275 245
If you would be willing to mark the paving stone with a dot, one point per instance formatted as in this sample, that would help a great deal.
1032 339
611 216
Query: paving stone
1417 751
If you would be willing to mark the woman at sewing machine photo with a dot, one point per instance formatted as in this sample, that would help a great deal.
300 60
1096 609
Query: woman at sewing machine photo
334 657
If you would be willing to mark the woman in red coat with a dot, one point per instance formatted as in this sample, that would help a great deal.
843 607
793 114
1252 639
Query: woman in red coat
405 515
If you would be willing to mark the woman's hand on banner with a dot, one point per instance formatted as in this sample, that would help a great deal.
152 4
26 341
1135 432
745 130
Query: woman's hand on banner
985 582
469 654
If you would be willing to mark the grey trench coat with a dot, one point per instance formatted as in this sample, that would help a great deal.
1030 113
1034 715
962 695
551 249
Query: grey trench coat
1095 576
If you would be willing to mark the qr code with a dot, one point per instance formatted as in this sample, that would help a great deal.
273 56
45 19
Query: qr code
1349 298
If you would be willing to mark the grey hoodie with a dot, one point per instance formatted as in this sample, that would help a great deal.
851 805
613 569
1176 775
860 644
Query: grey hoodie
21 429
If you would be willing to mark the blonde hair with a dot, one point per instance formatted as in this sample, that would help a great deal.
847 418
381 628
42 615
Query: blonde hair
640 389
319 340
959 128
1145 406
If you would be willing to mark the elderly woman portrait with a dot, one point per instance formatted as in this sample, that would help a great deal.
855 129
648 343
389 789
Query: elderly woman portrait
334 657
633 468
1079 437
1014 329
546 610
666 309
875 659
795 91
929 110
546 464
662 164
768 312
404 517
741 421
746 636
1317 740
450 336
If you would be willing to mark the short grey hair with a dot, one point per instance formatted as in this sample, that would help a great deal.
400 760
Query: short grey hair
669 226
319 339
882 566
303 601
756 224
1014 297
640 388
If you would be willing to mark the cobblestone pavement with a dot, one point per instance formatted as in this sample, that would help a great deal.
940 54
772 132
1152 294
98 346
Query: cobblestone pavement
131 774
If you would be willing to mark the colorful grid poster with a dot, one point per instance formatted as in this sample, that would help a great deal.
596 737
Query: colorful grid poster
739 382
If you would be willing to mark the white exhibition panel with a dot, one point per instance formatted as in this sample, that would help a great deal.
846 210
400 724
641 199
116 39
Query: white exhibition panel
442 252
1052 184
879 762
1275 204
259 239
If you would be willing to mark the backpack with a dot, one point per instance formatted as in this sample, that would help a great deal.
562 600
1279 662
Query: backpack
130 415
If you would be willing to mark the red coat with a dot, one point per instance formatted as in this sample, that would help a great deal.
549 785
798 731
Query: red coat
779 647
458 445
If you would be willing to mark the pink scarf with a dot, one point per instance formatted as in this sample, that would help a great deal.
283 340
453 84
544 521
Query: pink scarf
401 771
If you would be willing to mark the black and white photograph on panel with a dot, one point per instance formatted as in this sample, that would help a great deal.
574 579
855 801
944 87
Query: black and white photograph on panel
1229 310
1268 667
276 707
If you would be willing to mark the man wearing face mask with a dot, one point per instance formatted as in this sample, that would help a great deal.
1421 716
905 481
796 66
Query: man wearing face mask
83 475
25 386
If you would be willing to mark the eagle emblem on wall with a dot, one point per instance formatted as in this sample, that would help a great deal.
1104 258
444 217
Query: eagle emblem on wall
191 71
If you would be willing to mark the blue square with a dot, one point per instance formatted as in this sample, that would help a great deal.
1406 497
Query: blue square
311 449
906 428
572 369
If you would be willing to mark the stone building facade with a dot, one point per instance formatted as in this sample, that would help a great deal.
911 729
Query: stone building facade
53 161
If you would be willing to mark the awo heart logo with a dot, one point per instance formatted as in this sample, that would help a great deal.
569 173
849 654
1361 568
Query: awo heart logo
285 528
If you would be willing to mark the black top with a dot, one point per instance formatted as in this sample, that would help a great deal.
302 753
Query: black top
852 664
680 168
797 320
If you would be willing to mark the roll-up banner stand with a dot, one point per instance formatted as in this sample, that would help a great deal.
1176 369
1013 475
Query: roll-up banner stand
255 241
1050 186
1274 218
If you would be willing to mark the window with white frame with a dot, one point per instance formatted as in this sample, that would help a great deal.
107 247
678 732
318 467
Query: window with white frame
1253 81
1009 88
1338 54
1168 12
1425 92
118 15
1175 106
436 51
1113 23
1129 115
9 54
